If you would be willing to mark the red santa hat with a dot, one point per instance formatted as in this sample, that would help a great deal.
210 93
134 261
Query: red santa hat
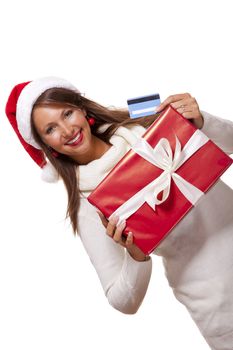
18 110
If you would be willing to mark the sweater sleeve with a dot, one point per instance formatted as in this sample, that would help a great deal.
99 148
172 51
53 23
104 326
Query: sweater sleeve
220 131
124 280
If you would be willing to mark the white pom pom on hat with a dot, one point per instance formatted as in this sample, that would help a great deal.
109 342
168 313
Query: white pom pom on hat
18 110
49 173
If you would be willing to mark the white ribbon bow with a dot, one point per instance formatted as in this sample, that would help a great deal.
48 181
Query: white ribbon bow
161 156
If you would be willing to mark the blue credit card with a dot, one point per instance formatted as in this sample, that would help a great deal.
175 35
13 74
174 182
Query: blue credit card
143 106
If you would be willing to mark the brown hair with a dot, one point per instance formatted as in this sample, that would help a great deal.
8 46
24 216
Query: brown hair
65 166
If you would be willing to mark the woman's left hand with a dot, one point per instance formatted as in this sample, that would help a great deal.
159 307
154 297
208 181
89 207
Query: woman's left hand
116 233
186 105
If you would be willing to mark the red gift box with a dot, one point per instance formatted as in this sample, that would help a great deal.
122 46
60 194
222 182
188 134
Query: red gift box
157 196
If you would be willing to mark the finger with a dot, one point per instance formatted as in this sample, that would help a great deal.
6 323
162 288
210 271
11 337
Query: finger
118 232
188 115
188 103
111 227
196 119
185 111
171 99
102 218
189 111
129 239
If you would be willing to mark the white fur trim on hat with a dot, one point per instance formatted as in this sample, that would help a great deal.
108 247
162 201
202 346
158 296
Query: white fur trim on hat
27 98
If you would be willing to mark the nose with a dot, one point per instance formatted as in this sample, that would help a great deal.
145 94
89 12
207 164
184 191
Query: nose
67 130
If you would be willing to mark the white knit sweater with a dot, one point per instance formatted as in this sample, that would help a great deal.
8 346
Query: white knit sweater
197 254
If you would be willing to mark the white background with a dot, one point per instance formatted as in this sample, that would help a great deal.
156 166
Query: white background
50 296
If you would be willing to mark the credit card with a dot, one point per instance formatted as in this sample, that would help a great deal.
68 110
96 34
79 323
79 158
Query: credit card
143 106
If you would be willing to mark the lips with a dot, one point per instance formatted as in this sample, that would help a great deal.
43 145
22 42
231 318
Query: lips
75 140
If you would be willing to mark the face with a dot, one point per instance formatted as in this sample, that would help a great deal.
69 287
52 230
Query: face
67 131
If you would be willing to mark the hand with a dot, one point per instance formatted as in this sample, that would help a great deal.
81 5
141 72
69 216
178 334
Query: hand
116 232
186 105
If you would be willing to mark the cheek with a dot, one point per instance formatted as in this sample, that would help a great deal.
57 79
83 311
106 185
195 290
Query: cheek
52 140
79 118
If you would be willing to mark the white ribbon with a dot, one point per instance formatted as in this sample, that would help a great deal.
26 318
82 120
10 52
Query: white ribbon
161 156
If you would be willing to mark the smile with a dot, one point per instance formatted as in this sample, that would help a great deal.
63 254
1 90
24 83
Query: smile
76 140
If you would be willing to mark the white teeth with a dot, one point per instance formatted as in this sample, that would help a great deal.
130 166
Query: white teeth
74 140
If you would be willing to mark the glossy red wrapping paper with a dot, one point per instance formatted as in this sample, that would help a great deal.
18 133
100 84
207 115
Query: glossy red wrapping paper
133 172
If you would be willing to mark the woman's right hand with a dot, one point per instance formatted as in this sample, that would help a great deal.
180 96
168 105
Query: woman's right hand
186 105
116 233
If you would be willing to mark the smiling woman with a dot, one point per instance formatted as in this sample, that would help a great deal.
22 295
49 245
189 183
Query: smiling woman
68 132
62 129
89 140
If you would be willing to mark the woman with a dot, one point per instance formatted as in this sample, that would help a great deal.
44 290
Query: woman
82 141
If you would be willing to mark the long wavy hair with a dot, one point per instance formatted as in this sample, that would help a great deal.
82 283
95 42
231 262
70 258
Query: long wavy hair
66 167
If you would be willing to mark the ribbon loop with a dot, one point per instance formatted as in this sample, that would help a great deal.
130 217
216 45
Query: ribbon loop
162 157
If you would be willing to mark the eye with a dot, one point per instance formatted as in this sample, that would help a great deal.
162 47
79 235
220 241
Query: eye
49 130
68 113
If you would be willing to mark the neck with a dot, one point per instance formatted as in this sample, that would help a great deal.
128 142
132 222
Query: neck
99 147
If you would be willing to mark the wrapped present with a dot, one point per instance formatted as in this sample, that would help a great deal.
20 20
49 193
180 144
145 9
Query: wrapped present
160 179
